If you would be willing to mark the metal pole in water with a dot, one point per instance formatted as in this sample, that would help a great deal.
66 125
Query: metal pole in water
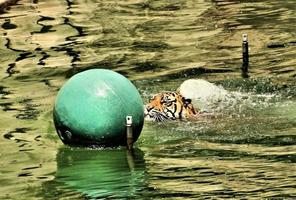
245 65
129 132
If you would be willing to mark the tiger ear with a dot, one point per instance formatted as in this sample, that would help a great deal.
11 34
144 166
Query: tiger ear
186 101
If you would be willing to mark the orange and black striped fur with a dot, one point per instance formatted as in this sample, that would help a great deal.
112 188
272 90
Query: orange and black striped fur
169 105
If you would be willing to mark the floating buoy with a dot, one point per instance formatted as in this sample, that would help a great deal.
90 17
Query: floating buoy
92 108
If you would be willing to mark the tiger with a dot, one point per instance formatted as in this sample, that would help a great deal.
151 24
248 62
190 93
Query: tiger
169 106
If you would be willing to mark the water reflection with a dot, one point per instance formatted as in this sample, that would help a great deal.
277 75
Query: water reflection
157 44
115 173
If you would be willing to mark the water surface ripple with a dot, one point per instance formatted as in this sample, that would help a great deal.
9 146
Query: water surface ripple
246 149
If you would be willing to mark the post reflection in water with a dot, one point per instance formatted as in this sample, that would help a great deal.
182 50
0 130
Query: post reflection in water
115 173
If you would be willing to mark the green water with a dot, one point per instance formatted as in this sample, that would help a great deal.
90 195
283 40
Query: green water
245 150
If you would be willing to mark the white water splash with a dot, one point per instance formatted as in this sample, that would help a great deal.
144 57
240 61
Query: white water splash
209 97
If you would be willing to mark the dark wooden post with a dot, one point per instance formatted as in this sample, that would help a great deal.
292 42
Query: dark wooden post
245 65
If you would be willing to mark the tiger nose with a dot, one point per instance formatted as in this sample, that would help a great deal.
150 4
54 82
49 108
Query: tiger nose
148 108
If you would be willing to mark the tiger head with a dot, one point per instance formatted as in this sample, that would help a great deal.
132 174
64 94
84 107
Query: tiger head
169 105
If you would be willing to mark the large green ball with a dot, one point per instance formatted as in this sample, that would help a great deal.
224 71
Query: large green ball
92 106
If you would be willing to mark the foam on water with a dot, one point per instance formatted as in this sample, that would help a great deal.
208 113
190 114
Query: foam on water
209 97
